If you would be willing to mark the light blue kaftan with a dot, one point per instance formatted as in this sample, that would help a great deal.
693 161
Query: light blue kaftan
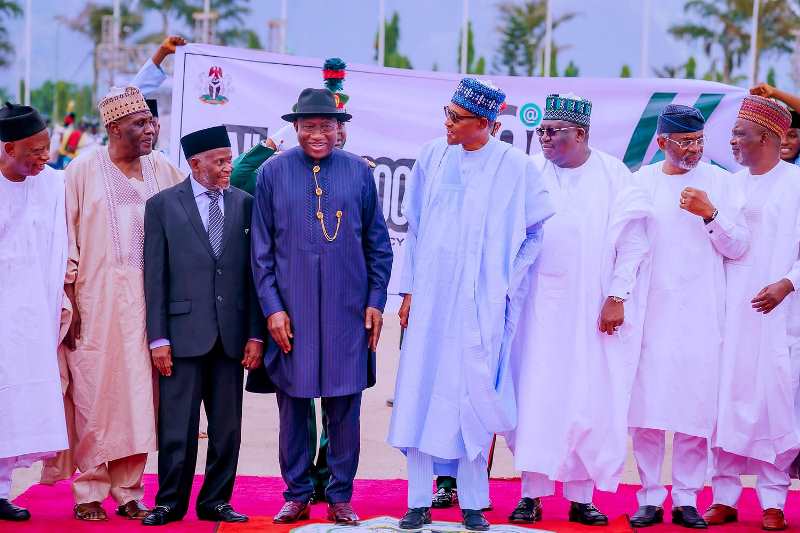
474 229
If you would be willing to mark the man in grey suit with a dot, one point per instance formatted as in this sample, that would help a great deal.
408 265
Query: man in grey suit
203 323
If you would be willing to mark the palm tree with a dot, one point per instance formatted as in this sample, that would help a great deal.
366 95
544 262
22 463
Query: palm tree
231 17
89 21
167 10
523 31
723 30
8 9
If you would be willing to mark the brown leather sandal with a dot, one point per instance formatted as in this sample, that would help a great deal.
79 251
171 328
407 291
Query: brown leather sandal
134 510
90 512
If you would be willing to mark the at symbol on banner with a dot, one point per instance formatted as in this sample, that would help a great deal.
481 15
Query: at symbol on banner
530 115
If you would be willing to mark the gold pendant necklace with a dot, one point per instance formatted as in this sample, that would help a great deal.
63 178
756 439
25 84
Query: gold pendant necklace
320 216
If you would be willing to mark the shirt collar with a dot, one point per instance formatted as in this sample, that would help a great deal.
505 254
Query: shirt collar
198 189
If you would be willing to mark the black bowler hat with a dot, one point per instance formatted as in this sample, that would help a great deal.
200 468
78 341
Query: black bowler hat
317 103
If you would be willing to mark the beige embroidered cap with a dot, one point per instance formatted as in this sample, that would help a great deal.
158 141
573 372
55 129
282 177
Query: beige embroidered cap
121 102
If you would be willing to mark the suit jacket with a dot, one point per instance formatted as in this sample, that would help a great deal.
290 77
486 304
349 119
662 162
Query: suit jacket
192 297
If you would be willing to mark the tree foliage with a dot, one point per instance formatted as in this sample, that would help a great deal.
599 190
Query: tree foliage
522 31
391 53
54 97
9 9
89 22
473 66
722 28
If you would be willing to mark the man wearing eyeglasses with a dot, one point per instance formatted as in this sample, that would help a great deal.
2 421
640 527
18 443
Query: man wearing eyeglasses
475 208
698 221
579 333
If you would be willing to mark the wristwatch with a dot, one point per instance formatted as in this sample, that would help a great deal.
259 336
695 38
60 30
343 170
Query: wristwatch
710 219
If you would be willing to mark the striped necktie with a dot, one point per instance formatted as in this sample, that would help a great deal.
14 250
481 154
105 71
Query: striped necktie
215 222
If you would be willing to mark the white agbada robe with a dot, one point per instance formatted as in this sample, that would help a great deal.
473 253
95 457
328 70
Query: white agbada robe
677 379
756 398
33 259
573 382
466 253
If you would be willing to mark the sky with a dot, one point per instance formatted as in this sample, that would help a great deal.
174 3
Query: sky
605 35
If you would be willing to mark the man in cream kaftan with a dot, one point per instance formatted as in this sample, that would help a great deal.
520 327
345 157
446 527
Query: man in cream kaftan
756 429
475 206
574 371
697 222
112 377
33 256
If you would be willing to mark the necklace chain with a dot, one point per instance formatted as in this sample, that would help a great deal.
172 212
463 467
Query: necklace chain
320 216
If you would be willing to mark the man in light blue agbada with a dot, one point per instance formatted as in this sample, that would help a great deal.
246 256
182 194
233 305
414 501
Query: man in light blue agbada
475 208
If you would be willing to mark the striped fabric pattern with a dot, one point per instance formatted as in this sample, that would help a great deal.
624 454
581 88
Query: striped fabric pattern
216 221
767 113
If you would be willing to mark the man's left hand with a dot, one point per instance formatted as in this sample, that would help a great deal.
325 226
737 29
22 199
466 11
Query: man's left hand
611 316
373 321
696 202
253 351
771 296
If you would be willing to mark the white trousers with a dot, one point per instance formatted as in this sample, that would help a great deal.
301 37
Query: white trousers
689 463
471 477
535 485
6 468
772 484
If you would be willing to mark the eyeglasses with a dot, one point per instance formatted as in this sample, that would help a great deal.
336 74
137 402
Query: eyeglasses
552 131
328 127
454 117
687 143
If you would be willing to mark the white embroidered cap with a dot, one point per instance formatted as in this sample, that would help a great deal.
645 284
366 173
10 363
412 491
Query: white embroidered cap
121 102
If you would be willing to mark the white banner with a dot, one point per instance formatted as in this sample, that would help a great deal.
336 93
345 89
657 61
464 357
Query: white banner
395 111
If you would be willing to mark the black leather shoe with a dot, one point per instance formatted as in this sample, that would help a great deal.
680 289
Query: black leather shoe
687 516
586 514
528 510
416 518
160 515
474 520
221 513
445 498
9 511
647 515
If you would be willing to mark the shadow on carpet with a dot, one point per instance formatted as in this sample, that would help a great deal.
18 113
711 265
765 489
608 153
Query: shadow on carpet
261 497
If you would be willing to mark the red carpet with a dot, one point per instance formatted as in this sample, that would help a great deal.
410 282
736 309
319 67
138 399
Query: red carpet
260 498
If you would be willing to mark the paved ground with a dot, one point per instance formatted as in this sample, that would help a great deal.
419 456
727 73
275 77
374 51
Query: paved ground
259 454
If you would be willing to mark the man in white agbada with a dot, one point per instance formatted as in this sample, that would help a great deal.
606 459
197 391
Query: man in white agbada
475 207
756 430
33 259
697 222
579 333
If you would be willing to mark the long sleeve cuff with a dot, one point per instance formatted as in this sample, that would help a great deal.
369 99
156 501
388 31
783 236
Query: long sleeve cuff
721 225
158 343
619 288
794 276
377 299
406 283
271 303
